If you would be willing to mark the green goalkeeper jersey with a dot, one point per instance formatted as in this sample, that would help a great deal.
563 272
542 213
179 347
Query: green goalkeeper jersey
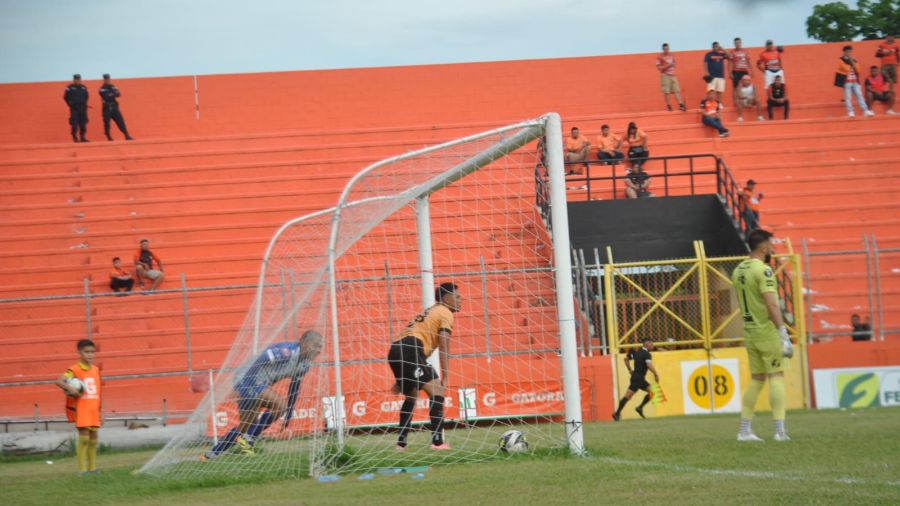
752 278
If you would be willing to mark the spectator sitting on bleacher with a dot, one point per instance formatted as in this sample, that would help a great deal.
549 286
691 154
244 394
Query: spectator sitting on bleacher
119 278
637 145
609 145
578 149
861 331
710 108
876 92
143 262
745 96
777 92
637 183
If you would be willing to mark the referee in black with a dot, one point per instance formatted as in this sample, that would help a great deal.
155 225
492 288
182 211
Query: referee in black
110 95
642 362
76 97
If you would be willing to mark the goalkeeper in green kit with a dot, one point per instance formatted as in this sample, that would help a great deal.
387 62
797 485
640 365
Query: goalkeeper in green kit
765 336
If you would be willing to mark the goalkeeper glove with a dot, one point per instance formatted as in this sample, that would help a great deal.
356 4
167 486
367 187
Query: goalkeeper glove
787 347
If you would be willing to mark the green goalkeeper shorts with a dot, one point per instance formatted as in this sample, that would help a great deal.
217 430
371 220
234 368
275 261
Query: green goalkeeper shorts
765 355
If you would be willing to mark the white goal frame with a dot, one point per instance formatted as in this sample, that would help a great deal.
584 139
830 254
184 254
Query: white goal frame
547 126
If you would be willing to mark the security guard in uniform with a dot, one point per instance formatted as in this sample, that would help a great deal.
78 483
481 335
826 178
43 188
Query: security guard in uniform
109 94
76 97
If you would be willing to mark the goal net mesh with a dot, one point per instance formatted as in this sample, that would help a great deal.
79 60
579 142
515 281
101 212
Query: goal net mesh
487 237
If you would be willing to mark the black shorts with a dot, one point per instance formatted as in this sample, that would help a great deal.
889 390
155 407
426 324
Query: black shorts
638 383
736 77
880 97
408 362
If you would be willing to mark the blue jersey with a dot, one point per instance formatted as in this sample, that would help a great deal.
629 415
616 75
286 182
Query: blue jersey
277 362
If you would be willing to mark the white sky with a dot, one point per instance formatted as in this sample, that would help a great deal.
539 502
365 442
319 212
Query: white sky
49 40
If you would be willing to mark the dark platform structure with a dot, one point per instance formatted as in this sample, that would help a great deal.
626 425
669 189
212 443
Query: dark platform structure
654 228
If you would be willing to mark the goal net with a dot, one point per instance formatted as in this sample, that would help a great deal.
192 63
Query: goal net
306 387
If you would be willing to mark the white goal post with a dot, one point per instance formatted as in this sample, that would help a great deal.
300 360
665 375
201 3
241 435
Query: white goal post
331 261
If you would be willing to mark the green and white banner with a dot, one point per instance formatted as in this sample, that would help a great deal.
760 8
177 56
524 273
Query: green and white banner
858 387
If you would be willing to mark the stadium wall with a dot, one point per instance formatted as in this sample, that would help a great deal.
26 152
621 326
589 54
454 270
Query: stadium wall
395 97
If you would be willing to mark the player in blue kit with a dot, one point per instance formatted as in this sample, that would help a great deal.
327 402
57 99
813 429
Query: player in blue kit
259 405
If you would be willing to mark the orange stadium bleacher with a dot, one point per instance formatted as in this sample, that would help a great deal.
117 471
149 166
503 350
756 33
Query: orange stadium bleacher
209 189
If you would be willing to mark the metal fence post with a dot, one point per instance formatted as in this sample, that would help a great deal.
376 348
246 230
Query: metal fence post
601 307
484 305
390 299
587 297
877 267
87 306
807 289
187 322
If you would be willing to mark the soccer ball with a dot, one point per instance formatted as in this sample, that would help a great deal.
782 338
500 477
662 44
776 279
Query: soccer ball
513 441
77 384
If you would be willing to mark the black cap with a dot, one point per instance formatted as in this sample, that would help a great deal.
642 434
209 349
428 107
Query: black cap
76 76
105 76
750 182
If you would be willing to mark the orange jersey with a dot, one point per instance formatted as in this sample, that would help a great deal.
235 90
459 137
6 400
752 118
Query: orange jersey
748 200
890 55
610 142
771 60
428 325
119 273
84 410
576 144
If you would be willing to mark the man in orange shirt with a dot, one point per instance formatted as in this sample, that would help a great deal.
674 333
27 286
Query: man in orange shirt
770 63
143 263
749 206
890 57
578 149
668 83
119 278
876 92
609 145
408 355
709 109
83 404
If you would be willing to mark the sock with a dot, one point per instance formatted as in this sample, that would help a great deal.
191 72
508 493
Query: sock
645 401
406 413
776 399
265 420
81 451
436 412
744 427
226 442
622 403
92 455
750 397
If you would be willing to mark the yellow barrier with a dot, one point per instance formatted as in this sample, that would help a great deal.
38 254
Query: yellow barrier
689 309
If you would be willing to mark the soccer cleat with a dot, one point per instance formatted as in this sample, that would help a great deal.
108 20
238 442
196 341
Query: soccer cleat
640 411
246 448
781 436
749 437
616 417
208 456
869 113
443 446
400 448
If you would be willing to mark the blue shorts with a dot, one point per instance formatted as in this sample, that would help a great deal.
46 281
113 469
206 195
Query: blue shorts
248 392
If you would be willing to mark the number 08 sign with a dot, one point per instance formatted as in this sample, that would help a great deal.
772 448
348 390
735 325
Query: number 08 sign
712 386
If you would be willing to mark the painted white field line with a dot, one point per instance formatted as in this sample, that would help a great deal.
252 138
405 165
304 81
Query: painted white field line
787 476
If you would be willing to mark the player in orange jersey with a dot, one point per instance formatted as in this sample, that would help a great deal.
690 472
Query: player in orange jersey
83 404
408 360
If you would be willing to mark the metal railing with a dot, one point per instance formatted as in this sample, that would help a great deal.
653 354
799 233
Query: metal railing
870 307
693 179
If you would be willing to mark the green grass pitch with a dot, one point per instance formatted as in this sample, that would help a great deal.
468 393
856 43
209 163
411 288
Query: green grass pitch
836 457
